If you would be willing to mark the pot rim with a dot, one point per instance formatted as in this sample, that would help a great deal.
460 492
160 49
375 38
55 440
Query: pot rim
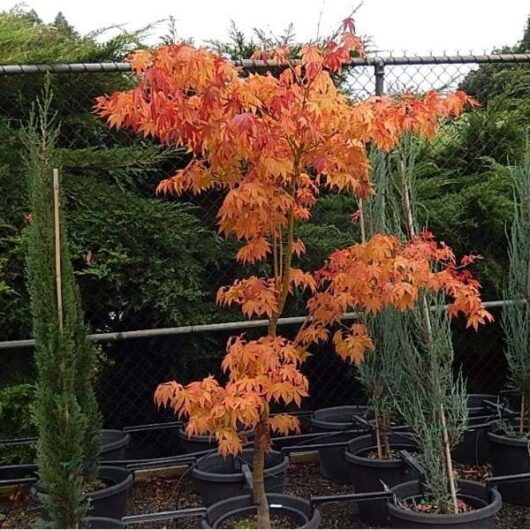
354 458
118 443
328 425
491 508
123 482
503 439
312 519
237 476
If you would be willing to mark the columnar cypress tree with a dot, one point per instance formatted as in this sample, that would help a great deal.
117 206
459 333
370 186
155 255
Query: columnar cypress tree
66 411
516 317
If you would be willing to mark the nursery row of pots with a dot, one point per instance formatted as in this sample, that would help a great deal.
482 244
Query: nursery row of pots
347 453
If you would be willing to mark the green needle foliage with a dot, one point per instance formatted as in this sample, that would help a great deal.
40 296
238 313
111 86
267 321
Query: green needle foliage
66 412
431 387
378 370
516 316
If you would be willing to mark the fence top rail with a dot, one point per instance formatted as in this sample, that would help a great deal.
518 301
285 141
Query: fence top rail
249 64
202 328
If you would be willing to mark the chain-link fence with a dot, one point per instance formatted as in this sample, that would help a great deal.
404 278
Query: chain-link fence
149 268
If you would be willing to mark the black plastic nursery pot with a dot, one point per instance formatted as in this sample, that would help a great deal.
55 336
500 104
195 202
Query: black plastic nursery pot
204 442
333 464
474 448
226 512
113 444
109 502
510 456
373 474
486 503
217 478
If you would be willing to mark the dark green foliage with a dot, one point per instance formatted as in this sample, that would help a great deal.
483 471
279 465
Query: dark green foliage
16 420
140 261
464 186
61 424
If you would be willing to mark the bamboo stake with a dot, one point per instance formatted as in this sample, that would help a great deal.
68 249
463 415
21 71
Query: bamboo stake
521 419
449 463
361 221
58 275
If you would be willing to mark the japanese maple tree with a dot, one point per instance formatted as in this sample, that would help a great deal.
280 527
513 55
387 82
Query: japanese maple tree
272 142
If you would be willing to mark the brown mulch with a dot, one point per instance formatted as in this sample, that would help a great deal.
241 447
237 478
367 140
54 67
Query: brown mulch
160 494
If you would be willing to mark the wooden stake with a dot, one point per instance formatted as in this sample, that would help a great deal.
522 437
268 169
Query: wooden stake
58 274
523 407
449 463
361 221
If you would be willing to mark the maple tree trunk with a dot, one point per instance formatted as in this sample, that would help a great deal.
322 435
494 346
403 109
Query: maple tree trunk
258 475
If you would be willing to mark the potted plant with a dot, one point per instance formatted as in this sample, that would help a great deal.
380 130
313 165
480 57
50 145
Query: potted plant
373 373
433 403
66 413
373 459
509 443
271 143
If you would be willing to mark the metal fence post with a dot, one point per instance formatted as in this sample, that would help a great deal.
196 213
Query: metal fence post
379 72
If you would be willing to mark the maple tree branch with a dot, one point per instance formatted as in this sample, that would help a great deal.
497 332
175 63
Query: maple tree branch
275 257
286 274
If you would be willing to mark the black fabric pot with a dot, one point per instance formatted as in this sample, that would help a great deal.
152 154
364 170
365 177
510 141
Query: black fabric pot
109 502
217 478
299 510
197 443
101 522
333 464
113 444
486 503
510 456
474 447
372 474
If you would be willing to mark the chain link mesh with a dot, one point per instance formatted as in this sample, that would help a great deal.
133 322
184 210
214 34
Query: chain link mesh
109 172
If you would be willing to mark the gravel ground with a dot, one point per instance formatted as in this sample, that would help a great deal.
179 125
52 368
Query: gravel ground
159 494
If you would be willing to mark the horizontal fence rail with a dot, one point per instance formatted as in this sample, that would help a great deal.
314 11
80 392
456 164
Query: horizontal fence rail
76 68
204 328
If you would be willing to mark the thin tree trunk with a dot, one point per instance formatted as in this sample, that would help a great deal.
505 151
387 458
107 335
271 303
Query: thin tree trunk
258 475
378 437
385 435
